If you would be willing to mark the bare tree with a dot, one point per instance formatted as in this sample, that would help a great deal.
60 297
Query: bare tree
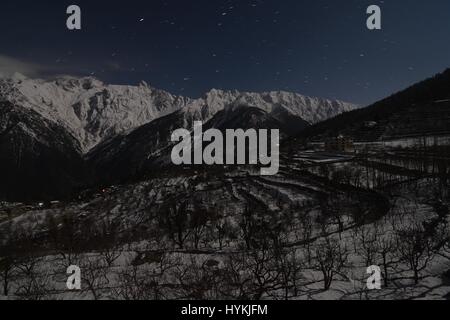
33 284
248 227
307 230
221 229
198 280
174 219
6 271
130 284
136 283
108 242
94 274
265 274
289 267
8 257
330 258
414 248
235 278
385 248
197 224
368 244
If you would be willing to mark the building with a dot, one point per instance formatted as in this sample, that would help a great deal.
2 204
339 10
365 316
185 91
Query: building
339 144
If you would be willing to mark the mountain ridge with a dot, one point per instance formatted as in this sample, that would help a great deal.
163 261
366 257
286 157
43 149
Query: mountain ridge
73 127
93 111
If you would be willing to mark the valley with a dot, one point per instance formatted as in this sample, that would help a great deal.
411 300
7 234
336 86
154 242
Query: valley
185 233
365 188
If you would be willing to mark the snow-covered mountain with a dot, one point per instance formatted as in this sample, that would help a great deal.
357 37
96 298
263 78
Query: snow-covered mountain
312 110
89 109
147 149
93 111
53 132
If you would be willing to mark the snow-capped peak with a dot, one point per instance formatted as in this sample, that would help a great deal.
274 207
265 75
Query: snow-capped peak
312 110
89 109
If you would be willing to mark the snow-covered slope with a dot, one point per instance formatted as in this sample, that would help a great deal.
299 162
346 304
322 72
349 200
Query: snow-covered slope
89 109
93 111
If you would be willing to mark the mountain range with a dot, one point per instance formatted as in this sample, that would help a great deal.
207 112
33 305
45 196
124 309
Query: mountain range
56 135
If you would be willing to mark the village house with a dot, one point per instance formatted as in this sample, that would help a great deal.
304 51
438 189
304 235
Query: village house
340 143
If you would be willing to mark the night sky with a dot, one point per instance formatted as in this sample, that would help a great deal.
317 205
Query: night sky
317 47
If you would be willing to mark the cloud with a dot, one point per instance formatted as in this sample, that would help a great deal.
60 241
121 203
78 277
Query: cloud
9 66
